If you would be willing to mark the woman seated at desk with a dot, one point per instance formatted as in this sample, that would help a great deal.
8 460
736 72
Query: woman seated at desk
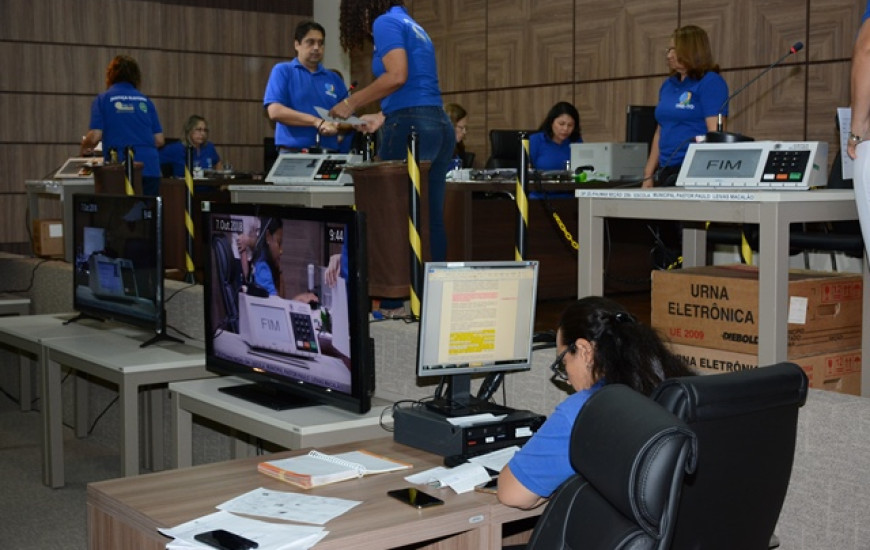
550 146
195 134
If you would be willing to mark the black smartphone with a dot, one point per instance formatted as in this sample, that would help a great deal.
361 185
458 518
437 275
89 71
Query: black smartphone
224 540
415 497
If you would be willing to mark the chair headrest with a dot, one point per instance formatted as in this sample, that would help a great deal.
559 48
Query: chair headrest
698 398
633 451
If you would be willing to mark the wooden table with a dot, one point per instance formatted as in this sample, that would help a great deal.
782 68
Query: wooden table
125 513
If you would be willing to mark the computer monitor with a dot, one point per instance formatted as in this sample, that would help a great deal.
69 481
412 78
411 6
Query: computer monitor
286 304
118 270
475 318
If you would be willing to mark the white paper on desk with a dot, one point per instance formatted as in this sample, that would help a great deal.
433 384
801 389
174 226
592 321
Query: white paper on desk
496 460
288 506
352 120
462 478
428 477
473 419
269 536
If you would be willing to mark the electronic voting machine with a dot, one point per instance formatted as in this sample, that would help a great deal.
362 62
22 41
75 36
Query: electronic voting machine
312 169
755 165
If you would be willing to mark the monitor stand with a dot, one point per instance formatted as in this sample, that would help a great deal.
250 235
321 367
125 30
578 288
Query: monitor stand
458 400
268 395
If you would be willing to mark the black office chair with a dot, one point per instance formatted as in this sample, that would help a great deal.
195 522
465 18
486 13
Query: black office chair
504 148
631 455
227 275
640 124
745 423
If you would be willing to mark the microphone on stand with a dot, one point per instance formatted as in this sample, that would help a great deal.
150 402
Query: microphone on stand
720 136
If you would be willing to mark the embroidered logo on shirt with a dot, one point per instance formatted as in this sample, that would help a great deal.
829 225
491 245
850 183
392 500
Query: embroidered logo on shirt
418 30
143 107
330 90
122 107
685 101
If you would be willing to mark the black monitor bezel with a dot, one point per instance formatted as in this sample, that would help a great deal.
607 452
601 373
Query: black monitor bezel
362 353
157 322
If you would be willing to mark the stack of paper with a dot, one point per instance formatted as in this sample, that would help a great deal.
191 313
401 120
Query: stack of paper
268 536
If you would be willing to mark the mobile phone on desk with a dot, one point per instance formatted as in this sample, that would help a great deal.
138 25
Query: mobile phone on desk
415 497
224 540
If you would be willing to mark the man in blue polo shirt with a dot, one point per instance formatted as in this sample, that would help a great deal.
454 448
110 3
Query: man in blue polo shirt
296 87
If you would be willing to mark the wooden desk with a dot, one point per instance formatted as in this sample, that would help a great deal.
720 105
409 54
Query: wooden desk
125 513
317 426
481 216
773 211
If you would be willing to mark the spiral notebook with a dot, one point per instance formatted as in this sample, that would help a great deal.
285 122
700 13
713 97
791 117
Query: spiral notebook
316 468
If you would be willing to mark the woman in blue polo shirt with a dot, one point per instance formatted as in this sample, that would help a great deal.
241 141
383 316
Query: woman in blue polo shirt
195 135
689 104
598 342
550 146
122 117
407 86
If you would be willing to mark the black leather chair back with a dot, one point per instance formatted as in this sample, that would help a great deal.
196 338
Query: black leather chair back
227 278
504 148
746 423
631 455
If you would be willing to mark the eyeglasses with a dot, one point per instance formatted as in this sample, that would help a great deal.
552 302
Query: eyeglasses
669 50
203 130
558 366
462 128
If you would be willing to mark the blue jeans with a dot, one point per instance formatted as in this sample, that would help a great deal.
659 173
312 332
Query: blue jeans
436 140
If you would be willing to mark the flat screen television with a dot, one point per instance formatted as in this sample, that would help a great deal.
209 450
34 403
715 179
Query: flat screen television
475 318
118 270
286 304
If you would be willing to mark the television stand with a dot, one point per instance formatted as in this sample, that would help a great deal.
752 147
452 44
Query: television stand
267 396
159 337
82 316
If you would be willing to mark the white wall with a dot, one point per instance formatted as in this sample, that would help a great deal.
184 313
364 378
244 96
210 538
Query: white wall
326 13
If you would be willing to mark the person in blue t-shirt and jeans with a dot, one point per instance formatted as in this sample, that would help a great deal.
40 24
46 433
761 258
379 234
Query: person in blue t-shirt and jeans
122 117
406 84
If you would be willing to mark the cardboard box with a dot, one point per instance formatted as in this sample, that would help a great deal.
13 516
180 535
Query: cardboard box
48 238
717 307
838 371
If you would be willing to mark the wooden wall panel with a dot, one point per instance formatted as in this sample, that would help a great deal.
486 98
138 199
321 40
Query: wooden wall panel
457 28
105 22
621 39
529 42
826 91
195 58
833 25
773 108
34 119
